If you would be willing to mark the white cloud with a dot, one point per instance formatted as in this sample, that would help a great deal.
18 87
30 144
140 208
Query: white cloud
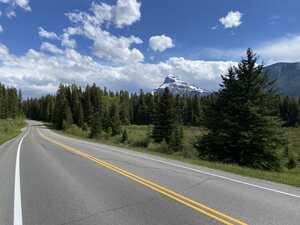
214 27
4 52
24 4
11 13
286 49
160 43
39 73
48 47
11 6
66 40
46 34
232 19
106 46
127 12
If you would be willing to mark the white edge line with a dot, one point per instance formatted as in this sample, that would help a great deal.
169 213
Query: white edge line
18 217
197 170
214 175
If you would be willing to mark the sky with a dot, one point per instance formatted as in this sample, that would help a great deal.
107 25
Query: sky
134 44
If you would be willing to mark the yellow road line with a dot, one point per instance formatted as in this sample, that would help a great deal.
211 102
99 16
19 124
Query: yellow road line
219 216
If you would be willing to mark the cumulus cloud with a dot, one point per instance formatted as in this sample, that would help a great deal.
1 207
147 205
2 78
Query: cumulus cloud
286 49
160 43
48 47
127 12
232 19
38 72
13 4
120 66
66 40
24 4
116 49
46 34
4 52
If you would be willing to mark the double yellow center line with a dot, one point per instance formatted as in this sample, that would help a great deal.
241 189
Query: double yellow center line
212 213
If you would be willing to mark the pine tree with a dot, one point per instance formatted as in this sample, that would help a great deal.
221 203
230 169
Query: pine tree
164 119
115 123
96 129
242 122
124 108
62 111
176 142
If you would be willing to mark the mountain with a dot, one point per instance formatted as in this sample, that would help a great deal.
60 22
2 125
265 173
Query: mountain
177 86
287 76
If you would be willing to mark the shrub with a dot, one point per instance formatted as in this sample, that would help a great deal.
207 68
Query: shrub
77 131
124 137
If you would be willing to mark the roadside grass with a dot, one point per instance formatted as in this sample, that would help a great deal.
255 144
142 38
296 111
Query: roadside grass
138 140
10 128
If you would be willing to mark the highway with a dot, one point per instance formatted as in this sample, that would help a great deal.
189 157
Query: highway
49 179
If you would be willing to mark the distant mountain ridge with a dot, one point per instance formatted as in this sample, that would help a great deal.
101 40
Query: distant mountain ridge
287 76
177 86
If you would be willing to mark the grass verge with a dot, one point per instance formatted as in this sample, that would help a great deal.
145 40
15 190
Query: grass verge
138 141
10 128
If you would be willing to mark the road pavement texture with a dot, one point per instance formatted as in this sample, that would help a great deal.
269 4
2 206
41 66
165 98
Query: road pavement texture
50 179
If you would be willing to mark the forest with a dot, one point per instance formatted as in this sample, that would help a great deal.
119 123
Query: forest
243 123
11 113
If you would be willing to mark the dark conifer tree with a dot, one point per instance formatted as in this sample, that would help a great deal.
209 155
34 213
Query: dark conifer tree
62 111
96 129
164 119
242 122
290 111
115 123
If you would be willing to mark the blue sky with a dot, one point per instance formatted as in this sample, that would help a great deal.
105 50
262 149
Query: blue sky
133 44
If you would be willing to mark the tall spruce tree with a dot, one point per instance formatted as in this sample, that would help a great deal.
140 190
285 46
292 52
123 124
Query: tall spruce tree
96 128
164 118
115 123
62 111
242 122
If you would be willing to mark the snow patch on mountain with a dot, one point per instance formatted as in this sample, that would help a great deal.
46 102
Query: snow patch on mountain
178 86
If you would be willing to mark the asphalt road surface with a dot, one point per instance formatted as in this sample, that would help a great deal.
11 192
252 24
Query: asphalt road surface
50 179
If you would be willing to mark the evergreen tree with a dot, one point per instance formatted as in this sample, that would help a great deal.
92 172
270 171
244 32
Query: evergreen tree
177 139
115 123
96 126
10 102
62 111
242 122
124 108
164 119
290 111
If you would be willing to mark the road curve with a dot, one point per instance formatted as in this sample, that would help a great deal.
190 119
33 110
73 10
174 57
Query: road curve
68 181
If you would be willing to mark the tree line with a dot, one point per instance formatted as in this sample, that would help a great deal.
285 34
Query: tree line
10 102
243 119
94 105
